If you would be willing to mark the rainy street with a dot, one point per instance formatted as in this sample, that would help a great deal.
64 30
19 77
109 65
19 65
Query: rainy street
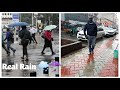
93 49
100 64
34 55
77 30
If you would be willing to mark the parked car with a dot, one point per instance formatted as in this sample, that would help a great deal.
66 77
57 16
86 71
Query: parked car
81 36
79 29
109 31
117 31
80 26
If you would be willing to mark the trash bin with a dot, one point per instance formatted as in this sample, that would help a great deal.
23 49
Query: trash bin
115 53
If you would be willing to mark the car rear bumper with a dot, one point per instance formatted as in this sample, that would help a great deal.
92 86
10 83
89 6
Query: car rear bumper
109 34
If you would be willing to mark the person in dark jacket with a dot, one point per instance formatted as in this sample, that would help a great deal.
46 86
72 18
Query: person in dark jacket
4 47
9 40
91 29
25 36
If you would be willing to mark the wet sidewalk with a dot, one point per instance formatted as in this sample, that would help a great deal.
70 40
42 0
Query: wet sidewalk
100 64
34 54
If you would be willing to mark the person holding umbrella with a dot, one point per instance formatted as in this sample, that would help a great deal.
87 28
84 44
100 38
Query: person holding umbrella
47 35
33 31
25 36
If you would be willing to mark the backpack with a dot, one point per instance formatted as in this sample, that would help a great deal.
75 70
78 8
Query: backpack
27 35
11 37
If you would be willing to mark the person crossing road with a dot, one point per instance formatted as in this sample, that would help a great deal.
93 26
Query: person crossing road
25 36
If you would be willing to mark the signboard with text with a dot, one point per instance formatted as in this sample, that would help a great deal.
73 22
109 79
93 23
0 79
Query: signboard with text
15 17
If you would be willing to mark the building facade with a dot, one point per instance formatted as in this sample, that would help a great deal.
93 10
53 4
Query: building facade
108 19
6 19
76 17
82 17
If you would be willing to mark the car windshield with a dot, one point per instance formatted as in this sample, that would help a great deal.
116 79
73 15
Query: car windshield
106 28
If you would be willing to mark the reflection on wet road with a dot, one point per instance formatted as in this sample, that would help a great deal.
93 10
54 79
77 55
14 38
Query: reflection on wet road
100 64
35 57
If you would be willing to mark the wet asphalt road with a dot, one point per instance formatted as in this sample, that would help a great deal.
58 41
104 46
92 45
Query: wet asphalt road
34 54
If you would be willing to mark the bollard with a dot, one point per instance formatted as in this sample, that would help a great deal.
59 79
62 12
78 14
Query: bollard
115 53
33 74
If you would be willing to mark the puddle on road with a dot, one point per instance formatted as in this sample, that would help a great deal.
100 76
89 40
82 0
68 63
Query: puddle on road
27 73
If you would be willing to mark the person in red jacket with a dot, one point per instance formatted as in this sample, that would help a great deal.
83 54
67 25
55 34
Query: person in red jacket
48 41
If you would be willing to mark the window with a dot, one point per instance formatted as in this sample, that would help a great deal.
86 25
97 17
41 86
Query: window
100 29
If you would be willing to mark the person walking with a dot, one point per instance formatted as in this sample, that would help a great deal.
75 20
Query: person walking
47 35
10 40
91 35
4 47
33 31
25 37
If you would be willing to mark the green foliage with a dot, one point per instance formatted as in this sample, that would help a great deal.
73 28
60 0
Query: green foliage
46 19
26 17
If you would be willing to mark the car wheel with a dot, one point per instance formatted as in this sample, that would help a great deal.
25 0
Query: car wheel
102 36
107 36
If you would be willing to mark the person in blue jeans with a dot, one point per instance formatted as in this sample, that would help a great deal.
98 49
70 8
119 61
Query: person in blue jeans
3 45
9 41
91 35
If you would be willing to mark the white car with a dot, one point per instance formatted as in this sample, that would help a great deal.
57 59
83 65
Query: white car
81 36
109 31
79 29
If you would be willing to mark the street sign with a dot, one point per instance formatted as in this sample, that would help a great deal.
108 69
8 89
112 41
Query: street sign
15 17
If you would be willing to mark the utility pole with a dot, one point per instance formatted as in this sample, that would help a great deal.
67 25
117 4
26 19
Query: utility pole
20 17
32 19
36 21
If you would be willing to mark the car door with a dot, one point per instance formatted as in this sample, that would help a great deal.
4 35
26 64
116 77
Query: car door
100 33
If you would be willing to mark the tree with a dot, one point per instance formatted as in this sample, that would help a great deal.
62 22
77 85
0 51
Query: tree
55 19
26 17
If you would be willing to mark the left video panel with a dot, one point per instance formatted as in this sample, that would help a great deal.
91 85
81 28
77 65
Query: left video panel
30 44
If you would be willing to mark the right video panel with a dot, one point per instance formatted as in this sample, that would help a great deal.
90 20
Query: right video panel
89 44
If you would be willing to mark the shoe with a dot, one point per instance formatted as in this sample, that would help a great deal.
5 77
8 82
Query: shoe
92 52
42 53
8 53
27 59
14 52
22 57
89 53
